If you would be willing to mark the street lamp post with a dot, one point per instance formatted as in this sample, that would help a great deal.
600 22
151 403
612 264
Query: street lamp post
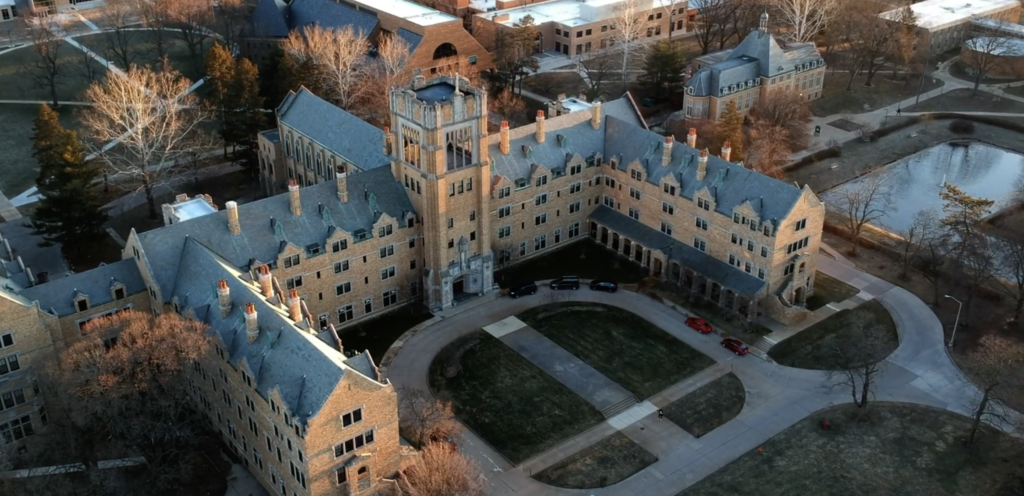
886 118
957 321
920 85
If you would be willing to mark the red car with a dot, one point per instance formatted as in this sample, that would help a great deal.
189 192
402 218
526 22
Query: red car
699 325
735 345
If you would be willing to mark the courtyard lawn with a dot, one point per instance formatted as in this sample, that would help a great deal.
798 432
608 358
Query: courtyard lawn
814 347
611 460
586 259
18 170
828 289
17 80
623 346
901 450
883 91
142 41
377 335
516 407
714 404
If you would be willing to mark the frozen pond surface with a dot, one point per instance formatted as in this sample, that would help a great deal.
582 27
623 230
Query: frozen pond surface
914 182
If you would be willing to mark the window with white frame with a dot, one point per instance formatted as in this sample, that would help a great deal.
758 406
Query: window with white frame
6 340
387 273
522 248
574 230
390 297
387 251
345 314
703 204
666 228
540 199
575 207
668 208
634 213
634 193
575 187
700 244
353 444
504 211
540 242
540 219
504 232
341 266
343 288
293 282
16 430
701 224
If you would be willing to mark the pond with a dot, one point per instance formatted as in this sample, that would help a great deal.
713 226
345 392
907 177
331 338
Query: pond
913 183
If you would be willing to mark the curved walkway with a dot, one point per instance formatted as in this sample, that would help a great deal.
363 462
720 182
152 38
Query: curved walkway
919 371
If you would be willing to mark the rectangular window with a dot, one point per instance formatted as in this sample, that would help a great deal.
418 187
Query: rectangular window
703 204
390 297
666 228
801 224
16 429
522 249
540 199
387 273
387 251
540 242
504 211
339 245
503 192
353 417
747 267
750 246
8 339
608 201
291 261
504 232
788 271
668 208
293 282
634 193
760 274
700 244
351 445
540 219
345 314
541 181
575 188
11 399
636 175
384 231
576 169
701 224
343 288
575 206
764 252
574 229
668 188
634 213
451 222
341 266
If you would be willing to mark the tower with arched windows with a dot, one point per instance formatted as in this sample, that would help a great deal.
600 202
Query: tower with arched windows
438 147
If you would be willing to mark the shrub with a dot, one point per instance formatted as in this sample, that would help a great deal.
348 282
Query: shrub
961 126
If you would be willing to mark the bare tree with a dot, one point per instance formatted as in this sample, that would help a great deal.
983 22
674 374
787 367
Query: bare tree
156 17
863 204
337 56
872 41
387 71
994 359
230 18
47 40
120 38
787 109
630 23
424 419
193 159
806 17
595 70
858 366
986 54
710 15
441 470
192 19
769 148
915 237
905 44
458 65
90 73
143 125
513 51
509 106
1010 257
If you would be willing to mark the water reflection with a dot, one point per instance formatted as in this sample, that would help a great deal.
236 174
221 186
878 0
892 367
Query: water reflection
914 182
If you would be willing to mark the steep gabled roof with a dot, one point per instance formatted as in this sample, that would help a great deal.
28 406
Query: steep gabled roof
274 18
762 46
333 128
97 284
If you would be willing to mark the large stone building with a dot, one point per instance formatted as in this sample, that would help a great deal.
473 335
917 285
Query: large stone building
749 72
943 25
436 40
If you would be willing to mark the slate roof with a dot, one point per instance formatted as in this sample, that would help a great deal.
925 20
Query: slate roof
729 184
758 55
25 244
273 135
274 357
59 295
410 38
761 45
274 18
259 242
333 128
686 255
581 139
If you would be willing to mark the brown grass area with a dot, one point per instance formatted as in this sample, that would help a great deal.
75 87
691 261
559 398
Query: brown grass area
611 460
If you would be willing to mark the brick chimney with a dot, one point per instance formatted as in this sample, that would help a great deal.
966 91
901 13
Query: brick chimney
726 150
293 196
702 165
224 298
595 115
233 225
252 328
294 305
503 145
666 151
341 179
691 138
266 284
540 126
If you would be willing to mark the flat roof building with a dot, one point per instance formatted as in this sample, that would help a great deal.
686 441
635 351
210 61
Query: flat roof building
944 24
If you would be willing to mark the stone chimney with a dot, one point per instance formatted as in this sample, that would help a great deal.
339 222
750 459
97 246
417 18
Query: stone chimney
726 150
595 115
294 305
540 126
252 328
666 151
266 284
702 165
224 298
342 179
233 225
294 198
691 138
503 145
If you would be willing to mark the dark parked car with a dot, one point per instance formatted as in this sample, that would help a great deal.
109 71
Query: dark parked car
735 345
607 286
525 288
699 325
566 282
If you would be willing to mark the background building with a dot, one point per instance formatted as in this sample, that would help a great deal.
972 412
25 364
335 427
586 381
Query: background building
1001 57
943 24
747 73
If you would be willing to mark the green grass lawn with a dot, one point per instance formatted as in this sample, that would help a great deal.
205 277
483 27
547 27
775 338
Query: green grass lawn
814 347
714 404
379 334
586 259
883 91
901 450
516 407
828 289
18 80
18 169
177 51
623 346
611 460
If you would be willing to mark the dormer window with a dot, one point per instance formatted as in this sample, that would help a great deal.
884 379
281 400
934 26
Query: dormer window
689 90
119 292
81 303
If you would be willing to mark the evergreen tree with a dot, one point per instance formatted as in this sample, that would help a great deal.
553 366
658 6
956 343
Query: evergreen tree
663 69
273 84
71 212
220 71
46 134
246 119
730 128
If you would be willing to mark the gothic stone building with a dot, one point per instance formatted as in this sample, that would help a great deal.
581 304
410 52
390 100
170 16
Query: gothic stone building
749 72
